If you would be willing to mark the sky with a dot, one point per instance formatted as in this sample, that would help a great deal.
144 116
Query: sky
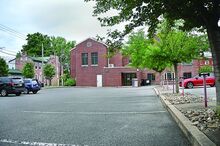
71 19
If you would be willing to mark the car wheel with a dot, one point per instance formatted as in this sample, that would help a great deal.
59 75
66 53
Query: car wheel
26 91
34 92
212 85
18 94
4 92
189 85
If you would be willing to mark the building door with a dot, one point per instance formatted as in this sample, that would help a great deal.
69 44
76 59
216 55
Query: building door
127 78
99 80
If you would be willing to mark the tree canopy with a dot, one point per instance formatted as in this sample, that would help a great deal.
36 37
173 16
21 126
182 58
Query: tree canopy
28 70
52 46
3 67
34 45
169 47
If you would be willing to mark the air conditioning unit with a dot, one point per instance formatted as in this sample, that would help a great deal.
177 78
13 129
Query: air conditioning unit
111 65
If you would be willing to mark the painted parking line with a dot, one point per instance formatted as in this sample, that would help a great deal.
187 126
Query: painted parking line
93 113
16 142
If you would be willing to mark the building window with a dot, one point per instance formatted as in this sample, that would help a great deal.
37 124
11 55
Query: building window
151 76
94 57
206 62
187 75
35 66
84 58
169 76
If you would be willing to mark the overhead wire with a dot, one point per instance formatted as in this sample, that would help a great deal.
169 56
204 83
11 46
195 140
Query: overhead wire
12 32
7 53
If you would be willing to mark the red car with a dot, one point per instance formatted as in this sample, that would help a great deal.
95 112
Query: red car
198 81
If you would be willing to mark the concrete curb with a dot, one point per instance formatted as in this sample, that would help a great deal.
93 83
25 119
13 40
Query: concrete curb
194 135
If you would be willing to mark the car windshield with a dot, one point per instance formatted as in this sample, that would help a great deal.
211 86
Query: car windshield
27 81
17 80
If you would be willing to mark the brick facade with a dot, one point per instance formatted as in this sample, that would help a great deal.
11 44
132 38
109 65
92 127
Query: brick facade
54 60
112 69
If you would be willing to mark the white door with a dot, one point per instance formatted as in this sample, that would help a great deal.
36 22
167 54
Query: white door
99 80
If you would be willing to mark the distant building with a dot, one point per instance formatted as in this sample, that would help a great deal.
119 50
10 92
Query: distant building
18 64
91 67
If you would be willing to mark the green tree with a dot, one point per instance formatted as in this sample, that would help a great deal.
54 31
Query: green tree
143 54
61 48
34 45
3 67
28 70
203 14
49 72
178 47
205 69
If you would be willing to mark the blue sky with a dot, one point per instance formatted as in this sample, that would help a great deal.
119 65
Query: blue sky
71 19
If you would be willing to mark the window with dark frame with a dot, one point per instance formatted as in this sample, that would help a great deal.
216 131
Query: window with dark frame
94 57
84 58
151 76
187 75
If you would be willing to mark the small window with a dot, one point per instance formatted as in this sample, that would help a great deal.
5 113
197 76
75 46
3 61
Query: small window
36 67
187 75
84 58
151 76
206 62
169 76
94 57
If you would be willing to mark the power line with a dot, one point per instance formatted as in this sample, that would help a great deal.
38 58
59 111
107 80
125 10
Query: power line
12 32
7 53
8 50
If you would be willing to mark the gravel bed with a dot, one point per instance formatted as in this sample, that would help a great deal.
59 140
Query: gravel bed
180 99
205 119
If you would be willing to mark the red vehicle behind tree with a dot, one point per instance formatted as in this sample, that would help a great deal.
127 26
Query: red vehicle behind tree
198 81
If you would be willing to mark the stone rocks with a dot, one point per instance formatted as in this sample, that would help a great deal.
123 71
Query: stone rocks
204 119
179 99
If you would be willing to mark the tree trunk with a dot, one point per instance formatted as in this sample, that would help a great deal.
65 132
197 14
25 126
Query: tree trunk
176 77
214 39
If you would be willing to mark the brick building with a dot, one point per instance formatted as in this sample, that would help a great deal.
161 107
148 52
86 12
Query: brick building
90 66
19 62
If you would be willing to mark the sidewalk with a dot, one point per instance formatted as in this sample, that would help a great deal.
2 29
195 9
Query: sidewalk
192 108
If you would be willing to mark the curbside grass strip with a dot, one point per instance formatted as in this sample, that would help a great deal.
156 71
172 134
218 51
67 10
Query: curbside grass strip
194 135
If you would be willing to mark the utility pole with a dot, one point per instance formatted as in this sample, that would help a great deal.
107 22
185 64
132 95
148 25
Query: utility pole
61 65
42 63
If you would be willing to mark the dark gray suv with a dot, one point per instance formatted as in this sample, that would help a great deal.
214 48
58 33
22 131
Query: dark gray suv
10 85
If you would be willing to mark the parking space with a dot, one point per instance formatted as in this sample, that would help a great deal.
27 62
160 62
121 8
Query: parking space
88 116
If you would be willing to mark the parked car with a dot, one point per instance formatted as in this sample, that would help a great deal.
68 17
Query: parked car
9 85
198 81
31 85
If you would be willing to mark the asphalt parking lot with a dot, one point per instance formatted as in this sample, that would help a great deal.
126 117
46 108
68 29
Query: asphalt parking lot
88 116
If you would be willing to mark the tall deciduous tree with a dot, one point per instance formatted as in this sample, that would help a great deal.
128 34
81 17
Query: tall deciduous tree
178 47
34 45
3 67
61 47
28 70
196 14
143 54
49 72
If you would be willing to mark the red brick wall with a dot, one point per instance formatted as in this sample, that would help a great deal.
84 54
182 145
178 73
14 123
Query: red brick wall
113 76
125 61
86 75
73 63
116 60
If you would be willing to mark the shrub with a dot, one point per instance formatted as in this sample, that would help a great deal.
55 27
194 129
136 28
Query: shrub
205 68
70 82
